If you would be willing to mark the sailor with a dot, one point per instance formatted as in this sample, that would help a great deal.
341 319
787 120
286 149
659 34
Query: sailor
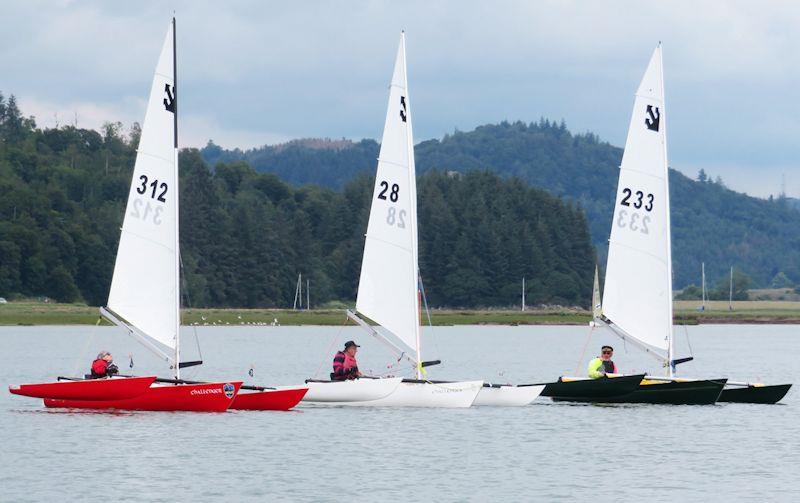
345 365
602 365
103 365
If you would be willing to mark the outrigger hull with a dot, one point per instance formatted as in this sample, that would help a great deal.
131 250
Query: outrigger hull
277 399
754 394
676 392
507 395
205 397
591 390
115 388
353 390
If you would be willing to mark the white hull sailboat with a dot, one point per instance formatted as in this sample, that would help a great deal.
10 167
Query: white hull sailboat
388 290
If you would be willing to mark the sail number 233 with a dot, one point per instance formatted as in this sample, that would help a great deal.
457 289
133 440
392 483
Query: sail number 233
143 209
634 220
392 193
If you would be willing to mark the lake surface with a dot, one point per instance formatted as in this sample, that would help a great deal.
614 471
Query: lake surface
542 452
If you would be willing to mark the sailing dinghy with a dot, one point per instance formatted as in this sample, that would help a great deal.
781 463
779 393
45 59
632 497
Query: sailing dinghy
145 290
637 297
388 286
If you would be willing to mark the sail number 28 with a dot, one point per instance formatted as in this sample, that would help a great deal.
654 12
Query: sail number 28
387 193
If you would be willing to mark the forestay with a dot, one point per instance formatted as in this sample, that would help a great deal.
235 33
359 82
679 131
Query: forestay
387 289
144 289
637 297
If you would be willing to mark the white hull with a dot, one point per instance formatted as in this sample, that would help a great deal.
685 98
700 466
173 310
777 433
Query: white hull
508 395
458 394
355 390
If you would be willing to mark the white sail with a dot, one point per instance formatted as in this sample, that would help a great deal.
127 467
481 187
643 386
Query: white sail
597 304
637 297
387 289
144 289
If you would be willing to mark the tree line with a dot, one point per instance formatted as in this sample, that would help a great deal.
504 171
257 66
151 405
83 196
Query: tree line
245 235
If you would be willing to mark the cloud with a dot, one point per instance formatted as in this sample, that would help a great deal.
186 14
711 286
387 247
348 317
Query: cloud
279 70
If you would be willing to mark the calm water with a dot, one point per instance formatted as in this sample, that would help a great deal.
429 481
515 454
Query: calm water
544 452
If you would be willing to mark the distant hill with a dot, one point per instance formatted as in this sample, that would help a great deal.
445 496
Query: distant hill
711 223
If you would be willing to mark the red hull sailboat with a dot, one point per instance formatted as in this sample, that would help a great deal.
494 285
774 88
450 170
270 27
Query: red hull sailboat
207 397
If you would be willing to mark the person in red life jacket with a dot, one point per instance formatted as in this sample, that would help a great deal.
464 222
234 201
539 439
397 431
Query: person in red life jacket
103 366
603 364
345 365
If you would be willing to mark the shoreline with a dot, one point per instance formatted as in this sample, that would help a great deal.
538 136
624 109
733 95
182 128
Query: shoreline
686 313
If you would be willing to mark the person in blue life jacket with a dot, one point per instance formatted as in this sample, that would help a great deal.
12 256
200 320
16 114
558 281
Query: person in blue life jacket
602 365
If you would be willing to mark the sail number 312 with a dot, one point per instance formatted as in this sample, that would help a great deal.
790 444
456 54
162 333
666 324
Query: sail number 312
143 209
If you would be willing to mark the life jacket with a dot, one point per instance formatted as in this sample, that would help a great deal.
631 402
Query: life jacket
99 368
609 366
598 367
344 367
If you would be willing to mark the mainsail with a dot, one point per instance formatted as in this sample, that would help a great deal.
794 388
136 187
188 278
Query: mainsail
144 289
637 296
387 289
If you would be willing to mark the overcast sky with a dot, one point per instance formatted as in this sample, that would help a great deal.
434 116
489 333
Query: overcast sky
256 72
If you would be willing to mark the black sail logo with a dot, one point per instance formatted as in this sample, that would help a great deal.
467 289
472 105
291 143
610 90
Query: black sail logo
653 118
403 112
170 101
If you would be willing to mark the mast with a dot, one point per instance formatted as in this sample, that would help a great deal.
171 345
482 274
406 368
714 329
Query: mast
412 183
670 348
177 203
523 293
730 294
703 285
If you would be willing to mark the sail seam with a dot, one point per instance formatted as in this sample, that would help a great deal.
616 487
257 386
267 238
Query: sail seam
125 231
405 166
168 161
387 242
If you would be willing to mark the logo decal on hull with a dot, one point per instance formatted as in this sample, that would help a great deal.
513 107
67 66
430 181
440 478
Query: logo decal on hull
229 389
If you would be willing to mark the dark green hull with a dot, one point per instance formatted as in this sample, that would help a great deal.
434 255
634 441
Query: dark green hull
591 390
754 394
700 392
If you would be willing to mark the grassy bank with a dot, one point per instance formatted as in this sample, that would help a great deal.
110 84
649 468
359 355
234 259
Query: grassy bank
39 313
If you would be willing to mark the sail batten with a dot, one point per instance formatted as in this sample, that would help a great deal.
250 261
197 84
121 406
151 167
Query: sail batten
144 288
637 296
388 288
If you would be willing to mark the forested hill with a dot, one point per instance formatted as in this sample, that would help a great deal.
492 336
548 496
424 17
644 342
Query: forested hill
246 235
721 227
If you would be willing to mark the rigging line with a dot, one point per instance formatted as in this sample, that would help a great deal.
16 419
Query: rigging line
86 346
583 352
185 291
330 347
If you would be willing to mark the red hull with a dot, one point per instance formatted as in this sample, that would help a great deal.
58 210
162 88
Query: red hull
281 399
89 389
207 397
